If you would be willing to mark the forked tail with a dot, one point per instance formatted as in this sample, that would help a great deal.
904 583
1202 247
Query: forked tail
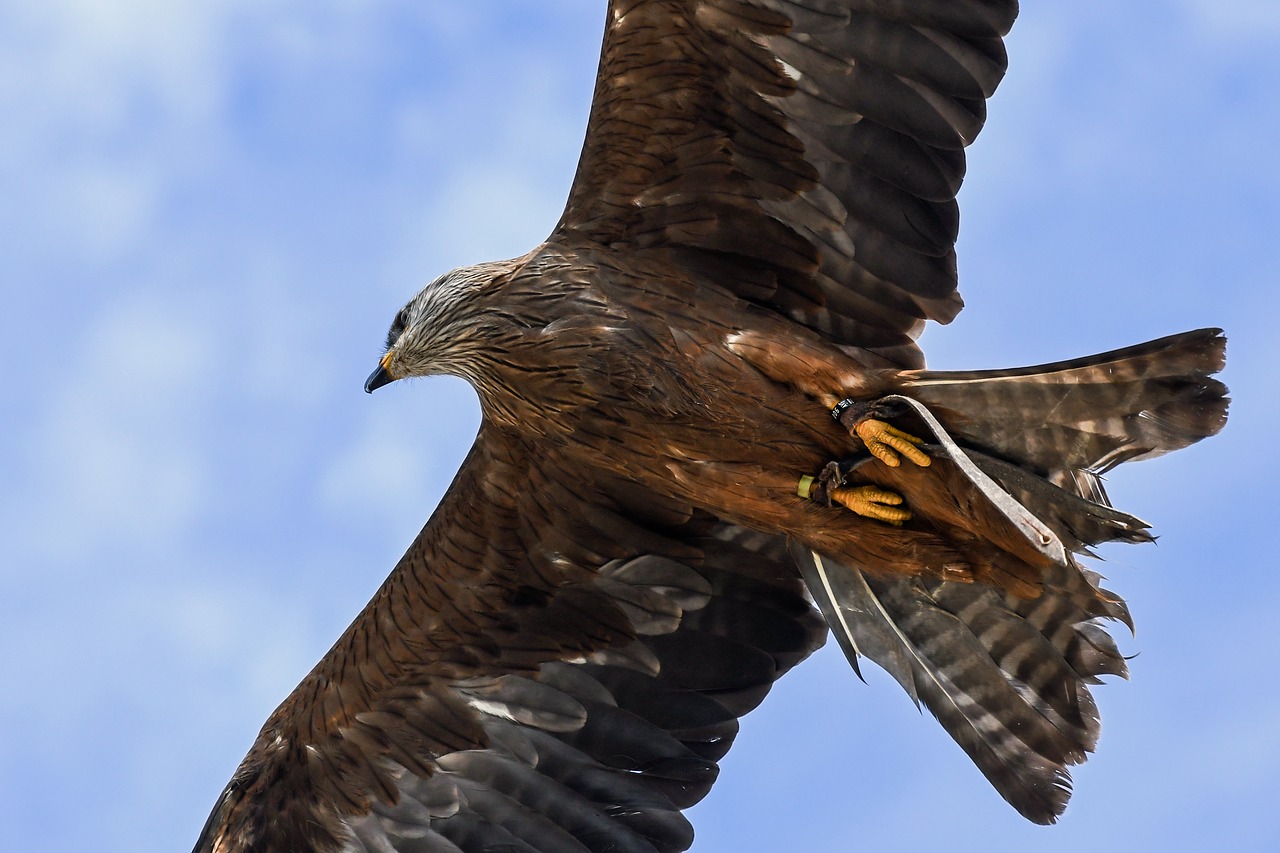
1071 421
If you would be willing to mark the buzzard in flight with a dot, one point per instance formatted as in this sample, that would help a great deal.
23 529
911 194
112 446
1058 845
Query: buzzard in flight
708 438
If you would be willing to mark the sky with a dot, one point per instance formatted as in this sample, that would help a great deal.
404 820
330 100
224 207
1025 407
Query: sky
209 213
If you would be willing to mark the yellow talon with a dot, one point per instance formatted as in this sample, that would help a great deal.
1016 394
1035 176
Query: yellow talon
885 441
873 502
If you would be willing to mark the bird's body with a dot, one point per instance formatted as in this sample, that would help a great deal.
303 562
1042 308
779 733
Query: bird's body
635 371
631 555
593 362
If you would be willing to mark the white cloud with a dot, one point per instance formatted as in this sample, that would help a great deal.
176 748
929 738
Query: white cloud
113 456
493 182
110 100
101 57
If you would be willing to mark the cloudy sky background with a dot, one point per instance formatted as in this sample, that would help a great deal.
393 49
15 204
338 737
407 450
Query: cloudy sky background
209 212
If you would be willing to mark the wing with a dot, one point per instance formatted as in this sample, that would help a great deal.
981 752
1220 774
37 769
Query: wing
805 154
554 665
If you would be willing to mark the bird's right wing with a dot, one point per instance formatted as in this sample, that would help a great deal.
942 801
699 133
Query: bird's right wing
651 718
556 664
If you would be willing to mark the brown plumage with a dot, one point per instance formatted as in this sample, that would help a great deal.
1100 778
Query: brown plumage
762 220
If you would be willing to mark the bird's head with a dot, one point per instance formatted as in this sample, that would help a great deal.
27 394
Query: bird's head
437 331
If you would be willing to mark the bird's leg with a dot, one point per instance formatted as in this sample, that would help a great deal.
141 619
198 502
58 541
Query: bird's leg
882 440
811 368
868 501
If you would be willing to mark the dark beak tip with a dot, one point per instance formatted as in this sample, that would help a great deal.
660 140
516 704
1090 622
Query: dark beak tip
377 379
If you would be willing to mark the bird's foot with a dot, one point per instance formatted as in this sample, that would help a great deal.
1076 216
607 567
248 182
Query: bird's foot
873 502
882 440
867 501
889 444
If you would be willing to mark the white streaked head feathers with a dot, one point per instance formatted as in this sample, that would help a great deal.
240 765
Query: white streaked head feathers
436 331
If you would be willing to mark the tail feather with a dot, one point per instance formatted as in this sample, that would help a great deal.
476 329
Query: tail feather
1080 521
1072 420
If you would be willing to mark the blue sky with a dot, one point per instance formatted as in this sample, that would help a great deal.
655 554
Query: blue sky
210 212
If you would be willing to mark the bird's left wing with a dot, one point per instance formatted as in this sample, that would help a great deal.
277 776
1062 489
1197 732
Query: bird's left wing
554 665
803 154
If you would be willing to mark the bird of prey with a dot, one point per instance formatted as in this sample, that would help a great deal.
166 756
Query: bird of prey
708 439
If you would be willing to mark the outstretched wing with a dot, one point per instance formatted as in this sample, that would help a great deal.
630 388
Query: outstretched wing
553 665
805 154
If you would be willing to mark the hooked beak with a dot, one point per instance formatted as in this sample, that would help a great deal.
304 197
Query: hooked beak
380 376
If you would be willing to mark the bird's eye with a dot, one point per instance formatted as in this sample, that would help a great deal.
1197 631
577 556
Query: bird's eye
397 328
